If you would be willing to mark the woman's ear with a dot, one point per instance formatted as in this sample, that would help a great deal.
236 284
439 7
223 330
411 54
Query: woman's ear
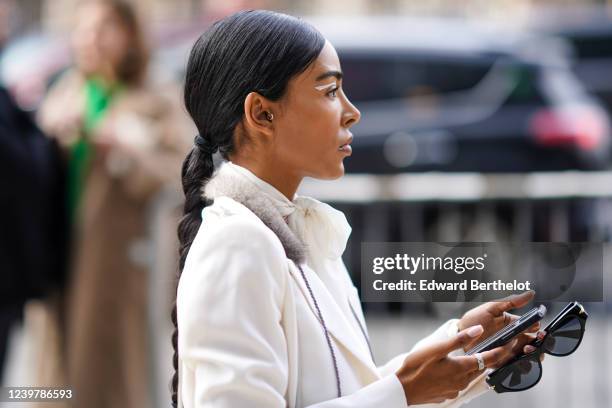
258 114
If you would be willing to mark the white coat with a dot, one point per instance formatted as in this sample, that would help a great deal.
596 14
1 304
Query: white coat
249 332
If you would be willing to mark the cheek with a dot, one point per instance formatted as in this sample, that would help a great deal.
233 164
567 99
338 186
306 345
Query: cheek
113 44
85 53
311 140
312 132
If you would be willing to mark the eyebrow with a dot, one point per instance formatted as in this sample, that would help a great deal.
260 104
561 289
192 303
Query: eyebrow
325 87
333 73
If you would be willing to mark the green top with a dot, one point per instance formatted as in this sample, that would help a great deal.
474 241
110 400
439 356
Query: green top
98 97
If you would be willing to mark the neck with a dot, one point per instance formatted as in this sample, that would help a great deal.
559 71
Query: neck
104 77
270 172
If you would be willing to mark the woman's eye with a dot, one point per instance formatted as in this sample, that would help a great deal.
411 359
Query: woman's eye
332 93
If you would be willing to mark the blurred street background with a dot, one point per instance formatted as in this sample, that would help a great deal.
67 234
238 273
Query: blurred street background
481 121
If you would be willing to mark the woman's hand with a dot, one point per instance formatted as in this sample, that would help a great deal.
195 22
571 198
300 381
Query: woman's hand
431 375
494 315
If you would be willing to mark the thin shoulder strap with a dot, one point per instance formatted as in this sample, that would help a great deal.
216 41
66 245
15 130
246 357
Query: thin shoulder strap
325 331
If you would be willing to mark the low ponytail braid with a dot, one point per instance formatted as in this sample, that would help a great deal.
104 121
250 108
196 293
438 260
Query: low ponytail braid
197 168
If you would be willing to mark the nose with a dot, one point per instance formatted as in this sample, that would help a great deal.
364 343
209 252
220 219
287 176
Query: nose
84 38
351 115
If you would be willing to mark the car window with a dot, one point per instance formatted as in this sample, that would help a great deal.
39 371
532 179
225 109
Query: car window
382 77
524 80
592 46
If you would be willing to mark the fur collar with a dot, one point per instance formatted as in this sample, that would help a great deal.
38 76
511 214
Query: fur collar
228 181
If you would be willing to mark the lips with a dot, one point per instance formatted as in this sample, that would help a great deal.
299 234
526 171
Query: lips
346 146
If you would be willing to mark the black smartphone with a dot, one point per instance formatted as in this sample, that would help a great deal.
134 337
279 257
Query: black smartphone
507 333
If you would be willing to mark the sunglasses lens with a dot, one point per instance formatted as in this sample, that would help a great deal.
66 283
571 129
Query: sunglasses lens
521 375
565 338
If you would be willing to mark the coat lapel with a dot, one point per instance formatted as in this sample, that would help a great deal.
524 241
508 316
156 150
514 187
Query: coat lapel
335 319
225 182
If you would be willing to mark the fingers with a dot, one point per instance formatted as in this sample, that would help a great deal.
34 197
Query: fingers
528 348
504 319
533 328
469 364
497 356
512 302
460 340
524 339
492 357
507 318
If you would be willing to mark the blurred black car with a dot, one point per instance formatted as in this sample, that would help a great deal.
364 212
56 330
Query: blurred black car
589 31
446 95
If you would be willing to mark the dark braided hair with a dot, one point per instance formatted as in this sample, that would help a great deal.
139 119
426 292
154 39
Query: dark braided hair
250 51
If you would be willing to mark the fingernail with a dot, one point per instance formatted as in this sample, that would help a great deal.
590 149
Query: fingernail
475 331
529 349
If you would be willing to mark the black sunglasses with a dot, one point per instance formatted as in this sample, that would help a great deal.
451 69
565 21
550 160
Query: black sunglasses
563 336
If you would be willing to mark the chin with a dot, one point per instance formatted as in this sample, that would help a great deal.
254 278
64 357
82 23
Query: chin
340 170
337 173
331 171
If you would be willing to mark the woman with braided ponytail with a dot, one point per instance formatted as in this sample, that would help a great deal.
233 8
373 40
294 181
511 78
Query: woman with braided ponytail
266 314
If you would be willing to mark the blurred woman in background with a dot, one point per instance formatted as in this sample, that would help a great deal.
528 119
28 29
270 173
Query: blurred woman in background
120 140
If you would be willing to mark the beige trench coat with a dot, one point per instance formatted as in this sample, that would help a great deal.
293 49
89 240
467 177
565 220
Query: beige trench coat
105 343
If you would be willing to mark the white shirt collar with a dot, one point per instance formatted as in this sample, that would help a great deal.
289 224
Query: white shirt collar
323 229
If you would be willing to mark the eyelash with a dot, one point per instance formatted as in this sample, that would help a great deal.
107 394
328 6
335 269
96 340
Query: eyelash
333 91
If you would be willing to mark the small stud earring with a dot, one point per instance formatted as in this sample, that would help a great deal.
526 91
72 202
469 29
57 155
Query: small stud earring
269 116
